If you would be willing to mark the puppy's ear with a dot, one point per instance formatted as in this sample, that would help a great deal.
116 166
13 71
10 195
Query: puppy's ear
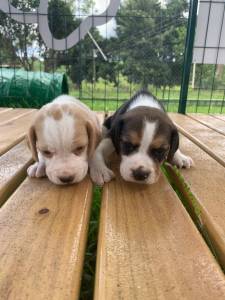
115 133
32 139
94 136
174 144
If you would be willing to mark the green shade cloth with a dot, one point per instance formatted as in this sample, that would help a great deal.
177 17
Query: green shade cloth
19 88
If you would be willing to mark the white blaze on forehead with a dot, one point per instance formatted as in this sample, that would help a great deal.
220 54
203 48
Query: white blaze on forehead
59 134
148 136
145 100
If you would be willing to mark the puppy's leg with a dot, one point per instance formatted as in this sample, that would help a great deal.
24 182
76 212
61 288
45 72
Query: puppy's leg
99 172
37 169
182 161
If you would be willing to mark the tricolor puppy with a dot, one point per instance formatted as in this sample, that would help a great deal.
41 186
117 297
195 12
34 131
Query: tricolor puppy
62 139
144 136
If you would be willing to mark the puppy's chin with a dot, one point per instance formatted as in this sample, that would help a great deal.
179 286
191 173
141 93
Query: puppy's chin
78 174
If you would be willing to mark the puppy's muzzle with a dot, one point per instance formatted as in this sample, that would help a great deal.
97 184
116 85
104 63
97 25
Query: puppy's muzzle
140 174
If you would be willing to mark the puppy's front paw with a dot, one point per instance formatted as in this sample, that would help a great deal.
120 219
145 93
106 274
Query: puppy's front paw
100 175
37 170
182 161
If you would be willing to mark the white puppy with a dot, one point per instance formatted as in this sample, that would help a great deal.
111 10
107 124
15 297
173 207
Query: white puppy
62 139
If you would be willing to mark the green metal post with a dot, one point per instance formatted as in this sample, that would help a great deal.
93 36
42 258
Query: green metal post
188 54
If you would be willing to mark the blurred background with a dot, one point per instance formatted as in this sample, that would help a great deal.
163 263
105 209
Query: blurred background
142 47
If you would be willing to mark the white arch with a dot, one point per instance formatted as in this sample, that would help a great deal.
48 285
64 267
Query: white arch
40 16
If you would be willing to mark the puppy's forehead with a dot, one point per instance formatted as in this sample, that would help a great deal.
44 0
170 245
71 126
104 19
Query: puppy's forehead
60 126
137 126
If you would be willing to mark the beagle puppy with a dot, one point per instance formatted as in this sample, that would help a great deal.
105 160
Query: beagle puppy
144 136
62 139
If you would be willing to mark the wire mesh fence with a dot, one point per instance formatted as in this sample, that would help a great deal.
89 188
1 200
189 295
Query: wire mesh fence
141 47
207 81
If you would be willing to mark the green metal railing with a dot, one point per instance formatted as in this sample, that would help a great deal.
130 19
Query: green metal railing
188 54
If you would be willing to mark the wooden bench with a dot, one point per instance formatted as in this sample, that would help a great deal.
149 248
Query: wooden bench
14 130
150 249
148 245
209 140
43 228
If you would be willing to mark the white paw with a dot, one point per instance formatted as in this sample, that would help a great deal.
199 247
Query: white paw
183 161
101 175
36 170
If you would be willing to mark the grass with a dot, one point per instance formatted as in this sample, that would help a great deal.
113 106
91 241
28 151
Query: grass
104 96
87 284
191 204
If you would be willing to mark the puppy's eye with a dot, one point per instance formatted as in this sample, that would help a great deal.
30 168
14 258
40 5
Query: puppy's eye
128 148
79 150
47 153
159 153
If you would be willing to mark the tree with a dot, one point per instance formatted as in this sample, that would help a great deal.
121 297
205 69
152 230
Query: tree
16 38
80 61
151 41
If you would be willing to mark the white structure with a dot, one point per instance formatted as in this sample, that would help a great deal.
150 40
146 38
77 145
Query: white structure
40 17
209 47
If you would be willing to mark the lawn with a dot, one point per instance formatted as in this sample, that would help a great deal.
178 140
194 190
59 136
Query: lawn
104 96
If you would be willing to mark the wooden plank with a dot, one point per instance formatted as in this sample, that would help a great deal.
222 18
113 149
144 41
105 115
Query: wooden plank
43 232
14 164
206 183
149 247
220 117
3 109
209 121
209 140
13 132
14 114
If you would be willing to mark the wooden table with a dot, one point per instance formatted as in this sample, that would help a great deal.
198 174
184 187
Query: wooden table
151 245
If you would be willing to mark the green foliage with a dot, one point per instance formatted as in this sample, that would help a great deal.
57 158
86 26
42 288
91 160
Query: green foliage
87 285
16 38
152 41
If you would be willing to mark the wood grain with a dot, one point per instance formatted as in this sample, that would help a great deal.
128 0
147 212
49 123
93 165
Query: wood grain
149 248
219 116
209 121
3 109
14 114
43 232
209 140
13 132
14 164
206 182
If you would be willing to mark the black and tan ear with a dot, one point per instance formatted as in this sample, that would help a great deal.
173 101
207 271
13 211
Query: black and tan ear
174 144
32 140
115 133
94 137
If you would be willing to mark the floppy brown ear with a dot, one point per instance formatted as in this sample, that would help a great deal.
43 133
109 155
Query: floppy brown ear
32 139
174 144
94 136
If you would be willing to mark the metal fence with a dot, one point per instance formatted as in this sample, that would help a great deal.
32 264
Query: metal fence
147 45
206 89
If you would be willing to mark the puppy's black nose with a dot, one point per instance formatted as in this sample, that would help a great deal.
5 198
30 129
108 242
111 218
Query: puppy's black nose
66 179
140 174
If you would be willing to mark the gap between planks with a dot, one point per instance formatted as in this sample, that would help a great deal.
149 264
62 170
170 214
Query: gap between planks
207 139
210 122
14 164
149 247
204 190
